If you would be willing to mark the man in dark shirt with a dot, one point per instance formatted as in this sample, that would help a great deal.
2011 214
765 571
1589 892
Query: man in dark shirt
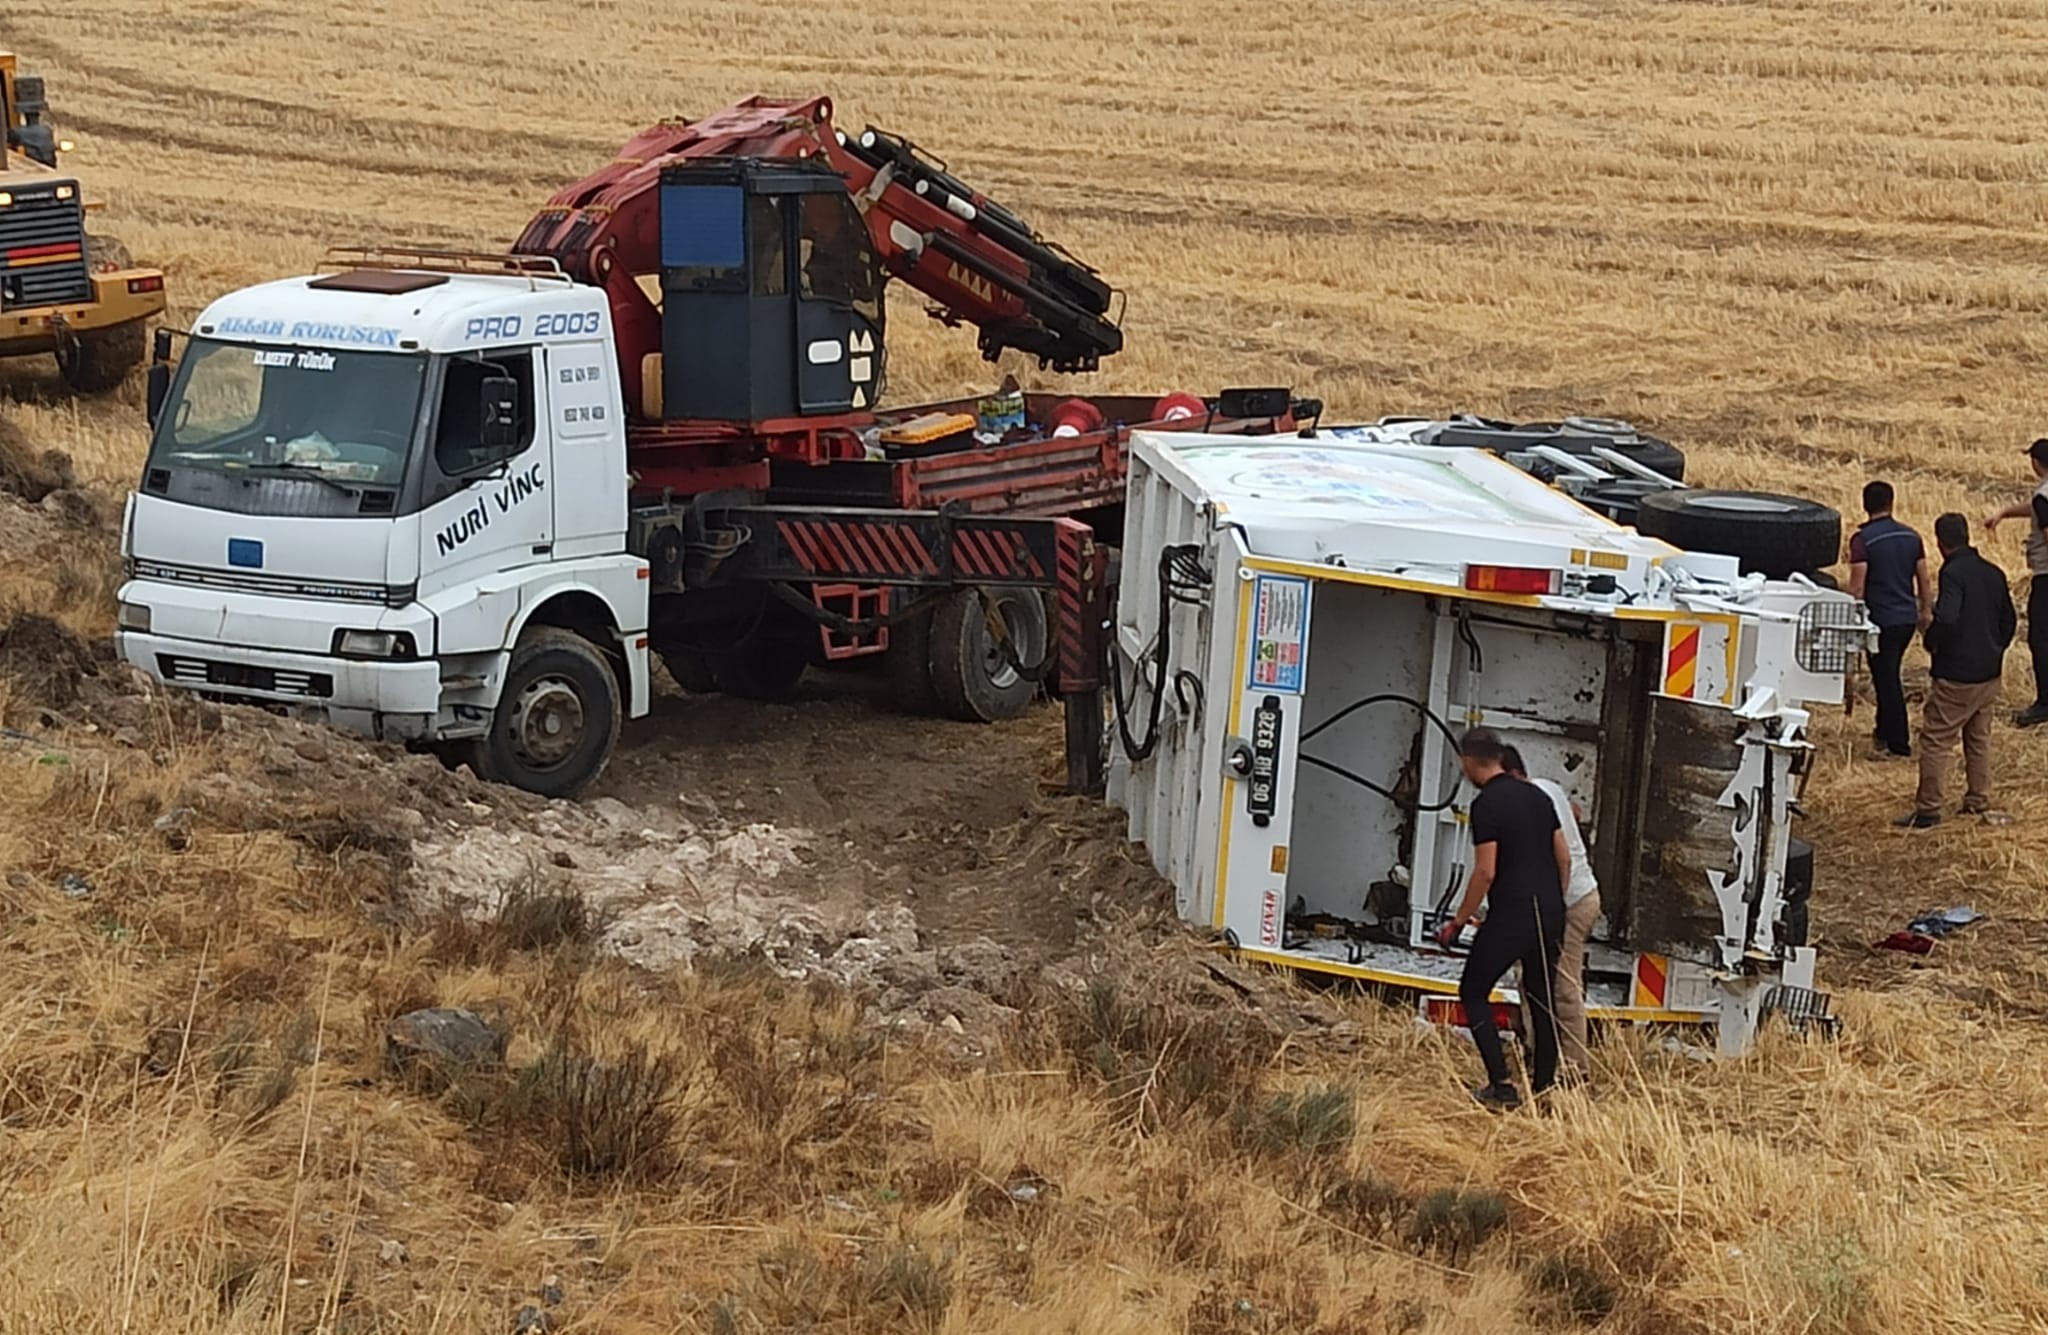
1973 623
1888 571
2034 510
1520 865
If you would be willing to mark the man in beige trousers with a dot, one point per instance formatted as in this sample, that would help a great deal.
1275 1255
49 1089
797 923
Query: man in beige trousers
1973 623
1581 911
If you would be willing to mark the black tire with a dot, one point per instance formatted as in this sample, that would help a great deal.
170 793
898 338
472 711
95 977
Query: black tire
102 251
908 661
96 361
765 666
557 719
1798 892
1576 436
690 668
973 678
1770 534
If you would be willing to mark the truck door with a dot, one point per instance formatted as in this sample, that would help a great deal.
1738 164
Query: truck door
586 436
839 311
486 510
1710 793
1258 806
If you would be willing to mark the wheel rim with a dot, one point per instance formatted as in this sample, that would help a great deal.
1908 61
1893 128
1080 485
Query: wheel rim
1751 505
548 722
1007 618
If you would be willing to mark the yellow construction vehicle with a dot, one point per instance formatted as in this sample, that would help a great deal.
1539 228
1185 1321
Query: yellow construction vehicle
63 290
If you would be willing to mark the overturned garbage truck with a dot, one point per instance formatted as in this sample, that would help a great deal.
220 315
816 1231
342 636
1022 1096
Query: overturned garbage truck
1305 625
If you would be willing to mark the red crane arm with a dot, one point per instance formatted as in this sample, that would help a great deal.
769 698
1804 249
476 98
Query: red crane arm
979 263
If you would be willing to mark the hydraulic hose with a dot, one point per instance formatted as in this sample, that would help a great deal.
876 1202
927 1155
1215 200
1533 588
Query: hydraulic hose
1182 578
1385 697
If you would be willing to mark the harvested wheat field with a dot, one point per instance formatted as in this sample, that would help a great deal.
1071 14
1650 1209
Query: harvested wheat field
823 1020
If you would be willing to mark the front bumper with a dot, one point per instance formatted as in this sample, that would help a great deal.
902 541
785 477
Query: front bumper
35 329
395 700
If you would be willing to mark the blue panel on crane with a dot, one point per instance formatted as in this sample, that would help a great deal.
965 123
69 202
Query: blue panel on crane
702 227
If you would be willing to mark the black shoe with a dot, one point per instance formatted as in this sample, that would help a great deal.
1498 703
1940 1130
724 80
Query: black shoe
2031 716
1918 820
1498 1098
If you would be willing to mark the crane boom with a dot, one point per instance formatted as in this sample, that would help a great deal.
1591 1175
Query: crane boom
977 261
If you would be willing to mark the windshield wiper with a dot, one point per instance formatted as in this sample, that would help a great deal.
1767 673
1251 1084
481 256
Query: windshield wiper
300 470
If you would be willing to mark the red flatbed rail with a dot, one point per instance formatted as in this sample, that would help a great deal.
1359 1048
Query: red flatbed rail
1045 475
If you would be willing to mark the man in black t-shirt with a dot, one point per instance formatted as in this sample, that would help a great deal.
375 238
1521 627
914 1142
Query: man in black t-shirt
1520 865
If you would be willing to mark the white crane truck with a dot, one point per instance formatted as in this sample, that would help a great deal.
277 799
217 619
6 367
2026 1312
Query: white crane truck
464 499
1303 628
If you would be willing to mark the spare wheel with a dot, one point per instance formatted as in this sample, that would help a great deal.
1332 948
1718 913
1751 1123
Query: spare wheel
1770 534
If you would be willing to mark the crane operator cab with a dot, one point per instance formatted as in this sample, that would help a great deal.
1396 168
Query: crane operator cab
771 294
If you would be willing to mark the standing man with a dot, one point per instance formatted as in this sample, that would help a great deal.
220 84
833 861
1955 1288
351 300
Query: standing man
1973 623
1520 863
1888 571
2035 511
1581 911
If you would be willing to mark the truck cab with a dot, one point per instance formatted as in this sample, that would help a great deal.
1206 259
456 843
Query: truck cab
394 499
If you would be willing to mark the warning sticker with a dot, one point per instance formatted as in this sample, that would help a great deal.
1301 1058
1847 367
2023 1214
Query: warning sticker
1279 633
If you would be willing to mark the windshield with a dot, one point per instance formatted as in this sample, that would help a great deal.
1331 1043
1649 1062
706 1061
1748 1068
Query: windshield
346 417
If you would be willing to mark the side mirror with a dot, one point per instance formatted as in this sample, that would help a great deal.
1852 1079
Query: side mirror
158 389
498 414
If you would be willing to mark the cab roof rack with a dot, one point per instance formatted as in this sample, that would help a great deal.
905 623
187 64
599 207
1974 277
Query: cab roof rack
428 259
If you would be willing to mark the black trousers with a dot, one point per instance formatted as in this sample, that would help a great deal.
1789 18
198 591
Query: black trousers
1894 731
2037 637
1530 936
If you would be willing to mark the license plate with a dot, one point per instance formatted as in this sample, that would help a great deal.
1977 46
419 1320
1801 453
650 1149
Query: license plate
1263 790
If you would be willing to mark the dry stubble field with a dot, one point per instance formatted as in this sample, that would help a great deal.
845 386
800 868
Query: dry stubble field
1803 241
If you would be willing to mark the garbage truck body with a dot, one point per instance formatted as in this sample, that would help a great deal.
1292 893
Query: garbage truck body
1303 629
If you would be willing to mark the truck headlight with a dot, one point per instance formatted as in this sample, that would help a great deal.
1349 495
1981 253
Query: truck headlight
373 644
132 616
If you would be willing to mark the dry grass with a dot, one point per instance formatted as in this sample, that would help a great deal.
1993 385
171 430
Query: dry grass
201 1134
1802 240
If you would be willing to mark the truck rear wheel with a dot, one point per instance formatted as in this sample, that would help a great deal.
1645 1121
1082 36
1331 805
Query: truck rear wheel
908 661
557 718
980 638
95 361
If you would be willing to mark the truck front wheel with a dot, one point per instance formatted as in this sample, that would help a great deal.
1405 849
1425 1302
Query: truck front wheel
557 718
